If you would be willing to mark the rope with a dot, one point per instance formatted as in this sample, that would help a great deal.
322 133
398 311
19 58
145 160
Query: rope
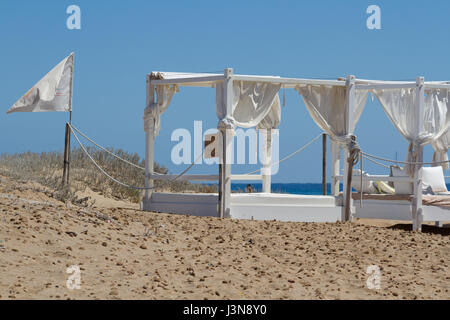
354 155
290 155
189 168
102 170
117 181
403 162
106 150
376 162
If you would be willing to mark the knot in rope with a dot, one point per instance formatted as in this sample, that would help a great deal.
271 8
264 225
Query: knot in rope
353 149
226 123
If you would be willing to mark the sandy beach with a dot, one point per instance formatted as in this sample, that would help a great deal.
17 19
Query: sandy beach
124 253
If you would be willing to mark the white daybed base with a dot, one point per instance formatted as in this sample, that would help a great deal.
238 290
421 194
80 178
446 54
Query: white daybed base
257 206
399 210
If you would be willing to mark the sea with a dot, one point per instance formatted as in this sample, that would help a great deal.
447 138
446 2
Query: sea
292 188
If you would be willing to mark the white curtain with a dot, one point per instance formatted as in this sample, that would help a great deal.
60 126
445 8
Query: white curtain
442 143
327 107
153 112
254 104
400 107
273 119
441 146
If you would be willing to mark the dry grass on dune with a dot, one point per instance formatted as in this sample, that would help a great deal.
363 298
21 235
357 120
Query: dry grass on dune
129 254
46 169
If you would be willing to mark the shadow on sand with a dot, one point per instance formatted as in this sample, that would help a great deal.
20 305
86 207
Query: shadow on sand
444 231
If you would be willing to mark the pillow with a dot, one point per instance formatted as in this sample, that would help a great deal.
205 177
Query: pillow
401 187
383 188
433 177
367 186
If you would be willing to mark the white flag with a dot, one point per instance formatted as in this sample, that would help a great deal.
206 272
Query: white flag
52 93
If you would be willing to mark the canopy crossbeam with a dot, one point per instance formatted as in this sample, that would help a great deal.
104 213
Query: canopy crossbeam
209 80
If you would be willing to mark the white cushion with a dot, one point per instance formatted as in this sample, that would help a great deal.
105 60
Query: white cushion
401 187
367 186
433 177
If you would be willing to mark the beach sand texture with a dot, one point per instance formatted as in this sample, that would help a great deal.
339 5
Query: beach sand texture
124 253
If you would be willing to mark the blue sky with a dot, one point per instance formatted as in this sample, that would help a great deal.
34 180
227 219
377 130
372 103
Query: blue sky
121 41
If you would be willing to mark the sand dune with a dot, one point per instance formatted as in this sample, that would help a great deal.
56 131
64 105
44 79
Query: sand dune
127 254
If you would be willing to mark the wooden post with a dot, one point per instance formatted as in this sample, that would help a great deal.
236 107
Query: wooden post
267 158
66 167
227 149
417 215
348 186
348 166
219 199
324 164
149 144
65 179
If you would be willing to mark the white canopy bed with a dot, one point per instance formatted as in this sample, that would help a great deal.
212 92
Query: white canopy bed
420 111
417 109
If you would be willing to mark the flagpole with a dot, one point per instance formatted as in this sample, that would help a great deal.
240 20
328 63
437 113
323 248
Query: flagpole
68 134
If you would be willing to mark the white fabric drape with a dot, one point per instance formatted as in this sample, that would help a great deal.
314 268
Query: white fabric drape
254 104
153 112
400 107
273 119
327 107
441 146
442 143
